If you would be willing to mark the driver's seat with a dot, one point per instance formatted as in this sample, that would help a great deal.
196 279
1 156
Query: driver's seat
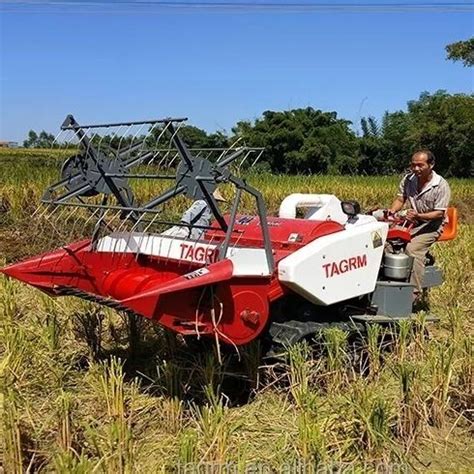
450 230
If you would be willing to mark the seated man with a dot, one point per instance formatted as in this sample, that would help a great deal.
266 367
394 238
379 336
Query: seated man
427 195
197 216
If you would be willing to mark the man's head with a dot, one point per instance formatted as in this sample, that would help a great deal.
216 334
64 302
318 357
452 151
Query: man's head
422 163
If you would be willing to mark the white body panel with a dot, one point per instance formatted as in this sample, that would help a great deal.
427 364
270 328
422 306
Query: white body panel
247 261
339 266
321 207
361 219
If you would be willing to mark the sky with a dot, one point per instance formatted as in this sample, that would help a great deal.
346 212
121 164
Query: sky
117 62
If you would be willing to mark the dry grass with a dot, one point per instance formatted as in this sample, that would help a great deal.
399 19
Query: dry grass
78 396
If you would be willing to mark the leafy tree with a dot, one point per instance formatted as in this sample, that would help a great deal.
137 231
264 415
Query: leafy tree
373 156
32 138
194 137
43 140
218 140
440 122
444 123
397 149
302 140
370 127
461 51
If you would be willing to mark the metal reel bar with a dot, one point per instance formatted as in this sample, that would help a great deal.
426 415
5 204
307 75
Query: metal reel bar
104 163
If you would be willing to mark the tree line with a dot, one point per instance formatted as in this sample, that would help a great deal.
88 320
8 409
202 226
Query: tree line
309 140
312 141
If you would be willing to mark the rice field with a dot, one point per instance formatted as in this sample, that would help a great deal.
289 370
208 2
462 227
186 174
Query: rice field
85 389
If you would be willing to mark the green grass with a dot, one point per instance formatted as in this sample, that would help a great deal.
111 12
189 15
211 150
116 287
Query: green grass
79 394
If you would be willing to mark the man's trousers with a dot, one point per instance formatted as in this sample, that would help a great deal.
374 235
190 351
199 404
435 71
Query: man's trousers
417 248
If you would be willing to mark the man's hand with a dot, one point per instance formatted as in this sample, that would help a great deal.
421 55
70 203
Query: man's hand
412 215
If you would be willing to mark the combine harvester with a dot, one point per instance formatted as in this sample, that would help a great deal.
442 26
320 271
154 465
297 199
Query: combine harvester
284 278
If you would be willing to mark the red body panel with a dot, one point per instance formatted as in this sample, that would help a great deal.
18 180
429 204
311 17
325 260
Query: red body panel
399 233
181 295
285 234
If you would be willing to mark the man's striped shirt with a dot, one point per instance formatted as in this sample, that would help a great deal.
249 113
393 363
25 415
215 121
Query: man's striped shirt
434 196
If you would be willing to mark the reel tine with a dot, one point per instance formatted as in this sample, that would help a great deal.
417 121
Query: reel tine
86 131
93 214
136 224
125 221
209 155
228 151
136 136
153 149
121 225
99 145
122 137
159 139
78 217
170 157
221 156
65 210
52 224
149 165
72 140
151 222
56 138
242 161
142 236
115 133
69 137
69 214
36 211
114 249
152 160
160 136
148 136
46 208
114 218
89 144
234 144
101 222
112 223
176 155
150 130
74 216
54 211
174 134
258 157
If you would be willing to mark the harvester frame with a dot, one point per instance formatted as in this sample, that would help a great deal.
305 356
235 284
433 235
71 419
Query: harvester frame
249 276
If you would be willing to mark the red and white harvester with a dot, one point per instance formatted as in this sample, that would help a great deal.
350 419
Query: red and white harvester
284 277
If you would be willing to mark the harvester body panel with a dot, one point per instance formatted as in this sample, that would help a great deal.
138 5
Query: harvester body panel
336 267
247 261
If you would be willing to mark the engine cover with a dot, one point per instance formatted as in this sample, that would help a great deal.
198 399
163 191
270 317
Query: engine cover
336 267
